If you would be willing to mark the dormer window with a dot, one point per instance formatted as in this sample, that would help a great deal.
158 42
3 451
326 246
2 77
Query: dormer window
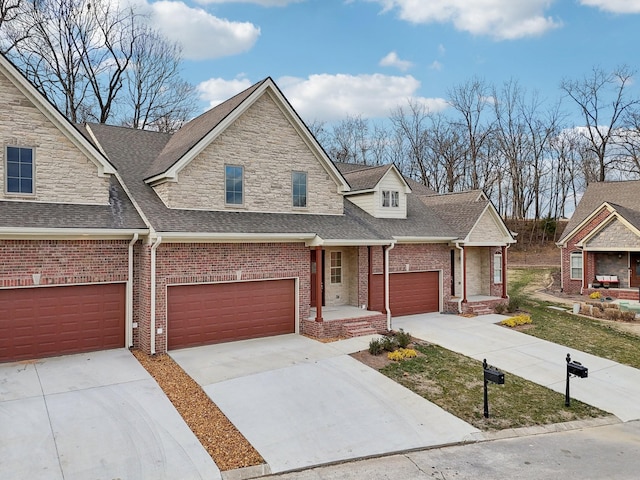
390 198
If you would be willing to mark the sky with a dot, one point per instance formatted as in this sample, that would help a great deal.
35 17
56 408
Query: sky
339 58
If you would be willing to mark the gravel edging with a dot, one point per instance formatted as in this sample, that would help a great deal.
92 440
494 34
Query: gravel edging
228 448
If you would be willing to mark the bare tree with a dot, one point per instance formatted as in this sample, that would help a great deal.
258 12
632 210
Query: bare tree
80 54
13 30
470 100
158 97
602 99
410 125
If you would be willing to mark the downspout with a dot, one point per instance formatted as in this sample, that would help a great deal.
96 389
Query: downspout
584 270
386 284
463 296
152 330
129 319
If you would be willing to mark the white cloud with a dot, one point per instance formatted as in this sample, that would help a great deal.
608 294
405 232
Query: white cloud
614 6
436 65
327 97
501 19
216 90
391 59
202 35
264 3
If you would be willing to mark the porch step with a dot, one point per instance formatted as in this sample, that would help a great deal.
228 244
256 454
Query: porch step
481 309
357 329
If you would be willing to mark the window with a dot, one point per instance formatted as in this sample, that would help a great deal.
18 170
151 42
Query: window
19 168
299 189
497 268
390 198
576 266
233 185
336 267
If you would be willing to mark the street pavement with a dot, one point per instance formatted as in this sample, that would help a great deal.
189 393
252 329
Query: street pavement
600 453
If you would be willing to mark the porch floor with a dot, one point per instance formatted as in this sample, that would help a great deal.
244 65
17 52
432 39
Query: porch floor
476 298
341 312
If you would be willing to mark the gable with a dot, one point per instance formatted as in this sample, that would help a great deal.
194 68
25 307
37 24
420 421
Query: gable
266 145
615 234
489 230
62 173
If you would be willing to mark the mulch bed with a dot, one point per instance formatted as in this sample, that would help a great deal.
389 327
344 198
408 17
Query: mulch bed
228 448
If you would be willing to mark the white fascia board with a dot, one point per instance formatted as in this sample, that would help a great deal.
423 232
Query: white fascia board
410 239
358 192
614 216
611 249
486 244
55 117
206 237
69 233
337 242
587 219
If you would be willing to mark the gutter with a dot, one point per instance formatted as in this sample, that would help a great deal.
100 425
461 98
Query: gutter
152 330
129 299
386 284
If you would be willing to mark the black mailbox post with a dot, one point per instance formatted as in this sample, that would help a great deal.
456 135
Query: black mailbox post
577 370
492 375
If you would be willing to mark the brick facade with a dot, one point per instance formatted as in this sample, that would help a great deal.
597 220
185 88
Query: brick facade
62 262
574 286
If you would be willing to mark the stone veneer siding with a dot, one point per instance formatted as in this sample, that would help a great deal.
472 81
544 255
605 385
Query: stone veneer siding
62 173
193 263
268 147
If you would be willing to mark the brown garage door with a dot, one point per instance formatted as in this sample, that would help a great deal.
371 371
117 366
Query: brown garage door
46 321
414 292
222 312
409 293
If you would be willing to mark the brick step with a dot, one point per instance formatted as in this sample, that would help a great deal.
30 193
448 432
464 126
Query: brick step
481 309
358 329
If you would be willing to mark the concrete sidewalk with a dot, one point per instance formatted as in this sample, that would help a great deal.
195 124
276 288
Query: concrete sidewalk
612 387
303 403
93 415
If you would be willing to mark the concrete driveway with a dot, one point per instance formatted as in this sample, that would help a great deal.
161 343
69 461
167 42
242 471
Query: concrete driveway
93 416
302 403
612 387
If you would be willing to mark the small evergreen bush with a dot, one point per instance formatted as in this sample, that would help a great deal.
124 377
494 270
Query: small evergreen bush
403 338
375 346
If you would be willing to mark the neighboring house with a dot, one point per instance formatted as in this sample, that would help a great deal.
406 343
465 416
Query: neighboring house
600 246
237 226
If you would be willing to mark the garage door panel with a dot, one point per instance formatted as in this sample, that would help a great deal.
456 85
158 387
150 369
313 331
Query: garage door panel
414 292
40 322
214 313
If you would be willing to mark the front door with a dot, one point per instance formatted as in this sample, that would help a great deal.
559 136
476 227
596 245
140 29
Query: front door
314 267
634 279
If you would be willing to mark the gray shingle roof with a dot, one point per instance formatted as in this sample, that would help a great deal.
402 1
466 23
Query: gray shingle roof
460 211
119 214
365 178
192 132
622 194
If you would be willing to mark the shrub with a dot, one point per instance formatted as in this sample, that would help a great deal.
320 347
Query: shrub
402 354
389 343
516 321
375 346
594 295
514 304
403 338
501 308
627 316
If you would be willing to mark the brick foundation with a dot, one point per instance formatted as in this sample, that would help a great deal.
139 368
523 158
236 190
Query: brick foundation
334 328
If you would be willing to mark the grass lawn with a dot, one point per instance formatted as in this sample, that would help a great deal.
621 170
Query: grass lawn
576 332
455 383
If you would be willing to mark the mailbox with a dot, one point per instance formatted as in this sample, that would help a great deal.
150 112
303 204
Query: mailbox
494 376
577 369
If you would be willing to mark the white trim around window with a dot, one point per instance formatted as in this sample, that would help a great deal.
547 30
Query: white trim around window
234 185
20 170
390 198
497 268
575 266
299 189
